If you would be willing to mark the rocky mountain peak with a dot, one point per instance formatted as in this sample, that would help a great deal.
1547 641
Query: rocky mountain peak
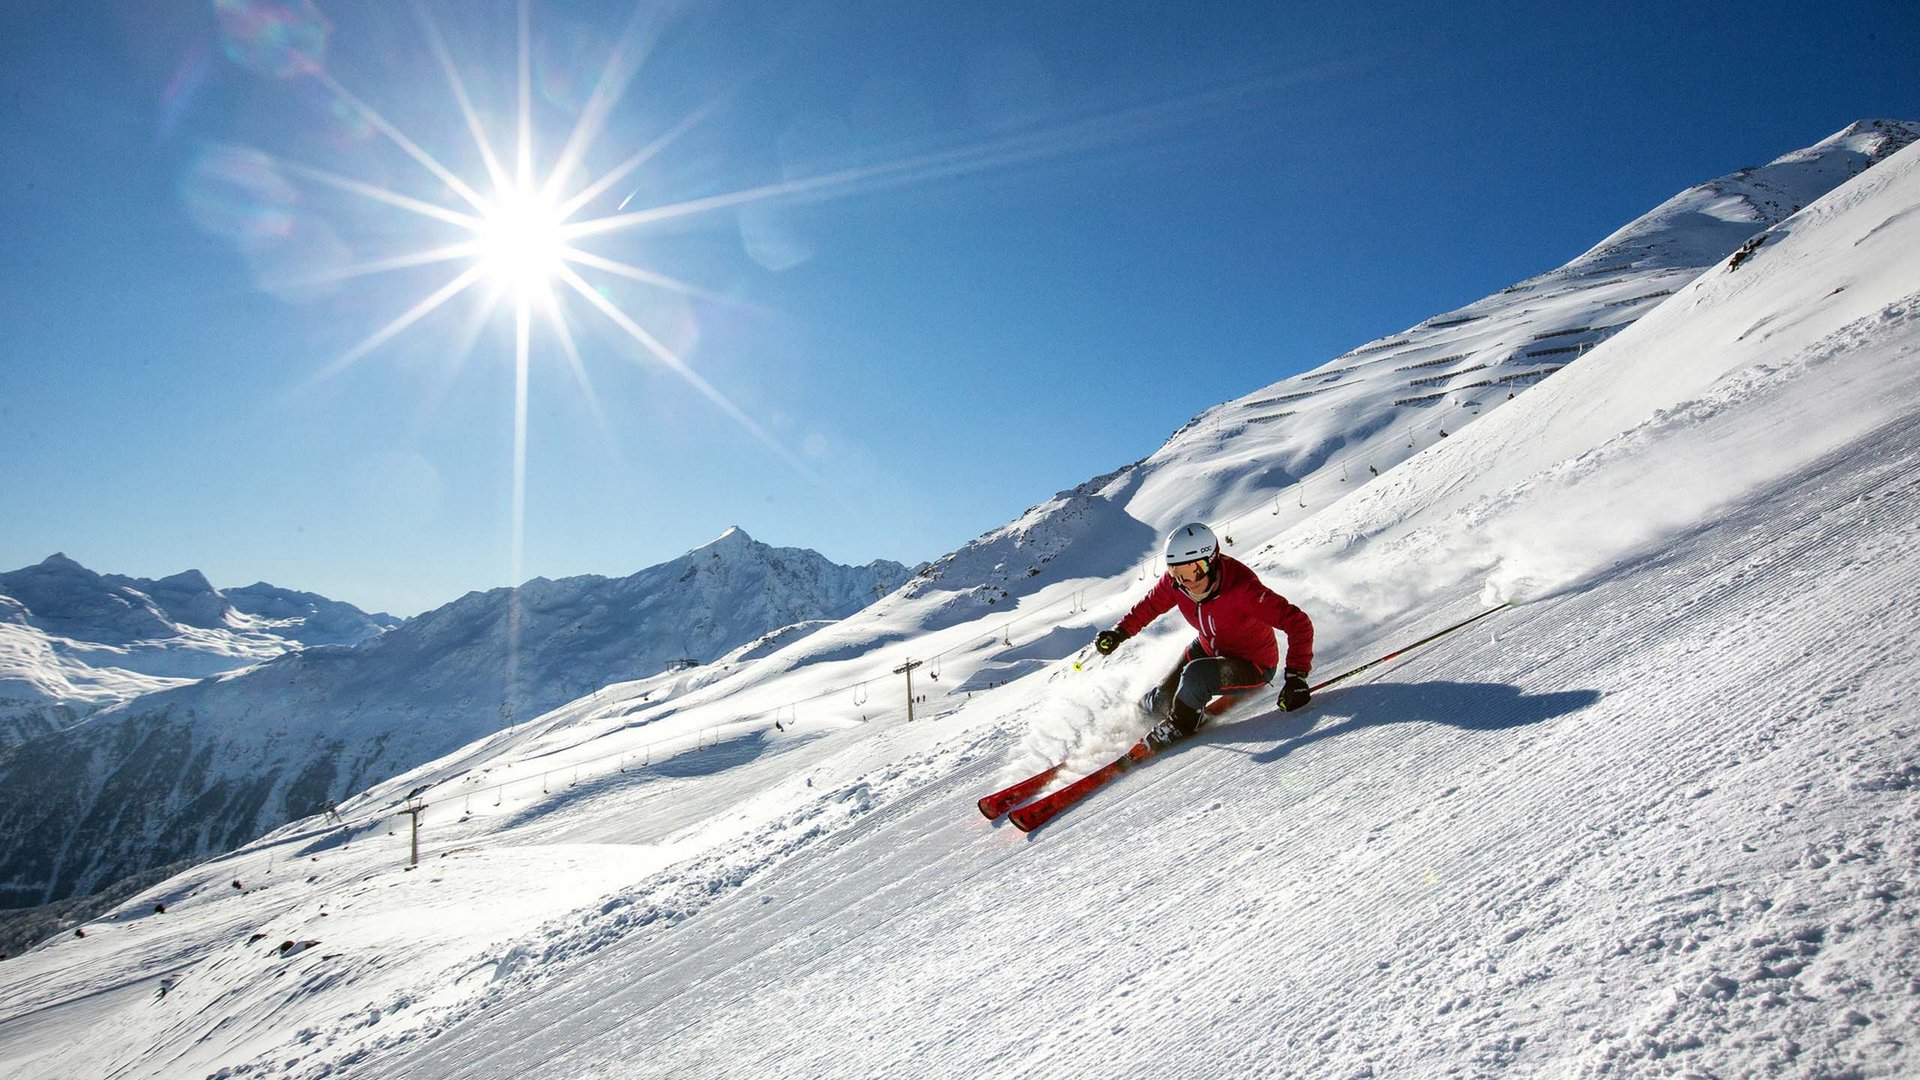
59 562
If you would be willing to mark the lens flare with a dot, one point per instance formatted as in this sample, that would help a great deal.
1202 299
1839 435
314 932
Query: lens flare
283 40
239 194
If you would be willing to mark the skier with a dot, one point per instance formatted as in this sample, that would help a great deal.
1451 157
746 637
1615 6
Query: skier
1235 651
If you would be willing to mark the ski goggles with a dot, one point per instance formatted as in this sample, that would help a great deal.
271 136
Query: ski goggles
1191 574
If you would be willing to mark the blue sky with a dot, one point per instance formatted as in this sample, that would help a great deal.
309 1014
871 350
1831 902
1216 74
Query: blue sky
1080 224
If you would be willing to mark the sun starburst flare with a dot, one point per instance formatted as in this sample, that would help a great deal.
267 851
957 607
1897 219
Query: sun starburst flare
514 242
518 235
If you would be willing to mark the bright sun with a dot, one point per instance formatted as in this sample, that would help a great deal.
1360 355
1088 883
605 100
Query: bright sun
520 243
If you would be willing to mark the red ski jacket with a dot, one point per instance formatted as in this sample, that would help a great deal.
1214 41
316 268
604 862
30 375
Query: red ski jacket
1237 620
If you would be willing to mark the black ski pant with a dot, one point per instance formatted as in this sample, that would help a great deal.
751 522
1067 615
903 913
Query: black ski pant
1198 678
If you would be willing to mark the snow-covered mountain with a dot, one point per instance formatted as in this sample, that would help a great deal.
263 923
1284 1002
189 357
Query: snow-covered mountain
1297 445
73 641
204 767
1655 819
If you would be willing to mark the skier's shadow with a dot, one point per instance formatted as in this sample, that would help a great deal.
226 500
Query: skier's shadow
1468 706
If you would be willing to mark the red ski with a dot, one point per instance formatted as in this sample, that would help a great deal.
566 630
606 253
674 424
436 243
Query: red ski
1002 801
1007 798
1042 810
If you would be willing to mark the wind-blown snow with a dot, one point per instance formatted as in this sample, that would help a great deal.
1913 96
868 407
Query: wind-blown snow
1660 818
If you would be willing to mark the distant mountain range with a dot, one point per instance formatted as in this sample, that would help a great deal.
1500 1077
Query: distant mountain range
328 700
73 641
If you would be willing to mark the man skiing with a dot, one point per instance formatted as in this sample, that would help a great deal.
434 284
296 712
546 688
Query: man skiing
1235 652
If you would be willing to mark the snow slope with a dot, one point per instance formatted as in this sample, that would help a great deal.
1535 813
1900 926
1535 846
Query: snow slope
1660 818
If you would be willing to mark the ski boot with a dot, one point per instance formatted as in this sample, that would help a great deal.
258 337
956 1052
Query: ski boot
1181 721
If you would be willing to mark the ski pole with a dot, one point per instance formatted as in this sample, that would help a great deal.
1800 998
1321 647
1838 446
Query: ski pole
1371 664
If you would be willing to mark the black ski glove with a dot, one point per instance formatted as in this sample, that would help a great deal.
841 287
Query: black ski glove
1107 640
1294 694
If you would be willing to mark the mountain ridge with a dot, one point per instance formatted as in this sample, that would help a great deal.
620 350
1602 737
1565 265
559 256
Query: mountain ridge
73 641
205 766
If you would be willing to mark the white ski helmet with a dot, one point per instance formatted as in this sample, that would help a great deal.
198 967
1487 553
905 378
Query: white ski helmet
1191 543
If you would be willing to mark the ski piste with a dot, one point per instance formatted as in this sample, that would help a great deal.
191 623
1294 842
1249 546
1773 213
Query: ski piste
1042 810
